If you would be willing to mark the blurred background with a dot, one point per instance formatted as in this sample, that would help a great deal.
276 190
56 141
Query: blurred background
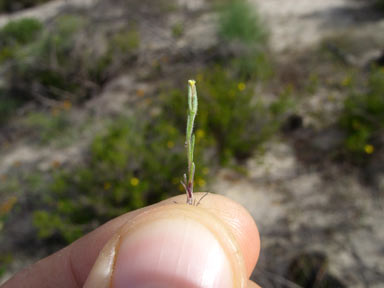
290 124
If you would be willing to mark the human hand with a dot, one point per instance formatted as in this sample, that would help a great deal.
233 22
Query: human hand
164 245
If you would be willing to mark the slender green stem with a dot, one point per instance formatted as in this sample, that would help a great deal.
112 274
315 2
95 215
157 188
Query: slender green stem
190 140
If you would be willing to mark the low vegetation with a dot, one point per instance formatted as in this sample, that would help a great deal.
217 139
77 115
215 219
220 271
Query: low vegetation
46 65
232 119
135 163
137 160
238 21
380 4
363 116
48 126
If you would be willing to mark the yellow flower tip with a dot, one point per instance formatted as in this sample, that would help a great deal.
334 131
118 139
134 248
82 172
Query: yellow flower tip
191 83
369 149
135 181
170 144
241 86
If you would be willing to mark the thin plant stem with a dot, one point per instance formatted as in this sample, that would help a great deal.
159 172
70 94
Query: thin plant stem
190 141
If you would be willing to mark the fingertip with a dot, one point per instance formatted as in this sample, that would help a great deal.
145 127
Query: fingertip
237 218
171 246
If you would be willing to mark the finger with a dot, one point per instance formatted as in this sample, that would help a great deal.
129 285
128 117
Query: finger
171 246
240 223
168 246
70 266
252 284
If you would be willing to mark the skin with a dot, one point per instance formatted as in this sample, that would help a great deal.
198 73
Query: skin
70 266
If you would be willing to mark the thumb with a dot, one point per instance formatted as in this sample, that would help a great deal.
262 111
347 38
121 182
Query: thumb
171 246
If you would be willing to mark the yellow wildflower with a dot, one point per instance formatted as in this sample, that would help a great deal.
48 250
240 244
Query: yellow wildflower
135 181
241 86
346 81
170 144
369 149
356 125
107 185
200 133
201 182
66 104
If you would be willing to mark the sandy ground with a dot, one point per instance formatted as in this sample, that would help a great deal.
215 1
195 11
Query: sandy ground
300 24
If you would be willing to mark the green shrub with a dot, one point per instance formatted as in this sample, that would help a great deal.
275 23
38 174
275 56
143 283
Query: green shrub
7 106
363 115
380 4
21 31
132 165
232 119
60 65
47 126
5 261
239 21
177 30
254 65
42 66
125 41
122 47
17 33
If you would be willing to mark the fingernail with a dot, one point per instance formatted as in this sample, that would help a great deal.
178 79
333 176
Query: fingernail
173 247
172 253
100 275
